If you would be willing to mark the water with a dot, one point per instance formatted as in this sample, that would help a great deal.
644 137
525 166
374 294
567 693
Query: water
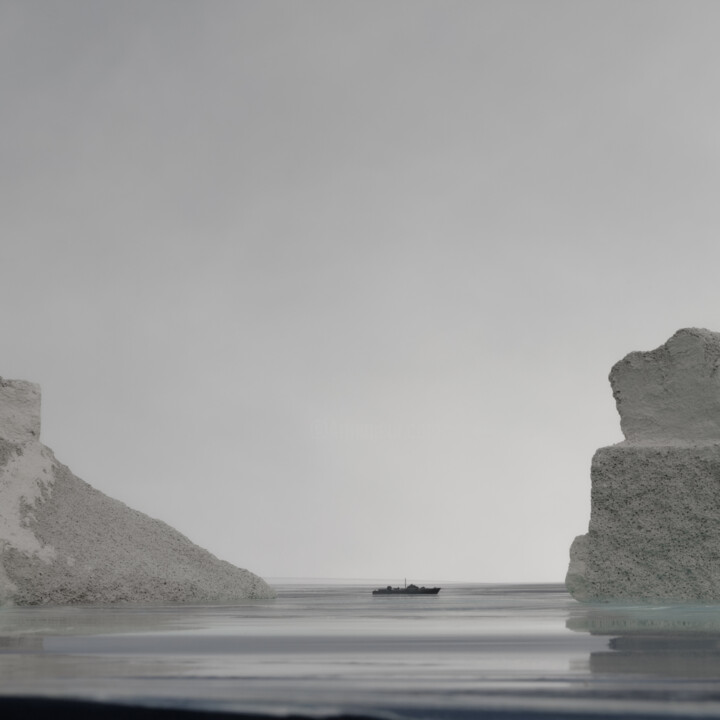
321 649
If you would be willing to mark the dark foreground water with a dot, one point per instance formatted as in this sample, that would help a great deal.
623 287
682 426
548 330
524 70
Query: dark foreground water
331 649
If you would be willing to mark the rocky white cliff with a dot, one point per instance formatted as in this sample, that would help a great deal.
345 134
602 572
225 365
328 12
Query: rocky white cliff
654 529
63 542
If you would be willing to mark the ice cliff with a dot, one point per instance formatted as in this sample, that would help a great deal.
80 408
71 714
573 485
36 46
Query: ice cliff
654 529
63 542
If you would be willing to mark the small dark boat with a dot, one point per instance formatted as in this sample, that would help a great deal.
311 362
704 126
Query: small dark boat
407 590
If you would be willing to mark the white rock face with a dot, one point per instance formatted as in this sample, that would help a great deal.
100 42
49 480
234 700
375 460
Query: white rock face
63 542
655 518
19 411
671 394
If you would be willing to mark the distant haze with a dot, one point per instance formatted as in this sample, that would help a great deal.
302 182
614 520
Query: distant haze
334 287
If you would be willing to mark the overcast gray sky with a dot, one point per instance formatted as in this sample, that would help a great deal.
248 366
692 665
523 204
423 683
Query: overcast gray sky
334 287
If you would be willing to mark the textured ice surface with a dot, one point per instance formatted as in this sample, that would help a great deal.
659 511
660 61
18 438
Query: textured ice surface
63 542
671 394
654 528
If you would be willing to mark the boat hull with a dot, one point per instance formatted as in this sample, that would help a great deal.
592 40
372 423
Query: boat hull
407 591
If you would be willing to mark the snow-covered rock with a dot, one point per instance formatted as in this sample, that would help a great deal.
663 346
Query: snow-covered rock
62 541
654 529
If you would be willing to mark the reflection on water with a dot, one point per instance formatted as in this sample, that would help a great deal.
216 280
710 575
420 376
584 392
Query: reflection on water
657 641
314 649
321 649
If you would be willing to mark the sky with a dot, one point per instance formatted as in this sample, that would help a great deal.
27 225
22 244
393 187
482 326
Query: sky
334 288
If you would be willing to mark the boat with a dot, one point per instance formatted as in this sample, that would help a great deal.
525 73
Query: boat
407 590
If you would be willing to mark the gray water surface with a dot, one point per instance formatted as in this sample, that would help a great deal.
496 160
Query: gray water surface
321 649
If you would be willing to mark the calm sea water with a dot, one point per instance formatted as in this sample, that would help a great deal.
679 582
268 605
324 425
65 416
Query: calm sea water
321 649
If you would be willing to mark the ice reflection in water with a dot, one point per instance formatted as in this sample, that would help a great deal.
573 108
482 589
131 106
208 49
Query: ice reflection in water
336 648
656 642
